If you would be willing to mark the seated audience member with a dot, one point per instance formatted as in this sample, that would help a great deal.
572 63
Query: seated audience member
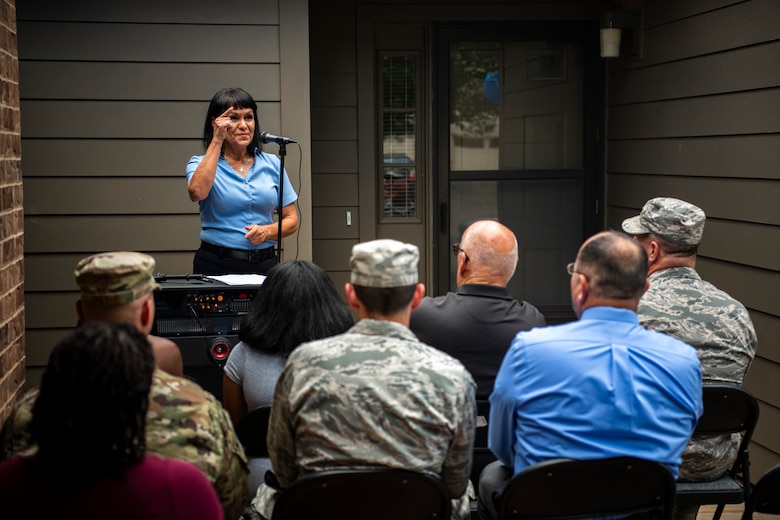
599 387
375 396
183 421
297 302
89 424
679 303
476 324
133 303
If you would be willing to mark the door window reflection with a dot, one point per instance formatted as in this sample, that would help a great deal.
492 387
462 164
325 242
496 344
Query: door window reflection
515 105
546 217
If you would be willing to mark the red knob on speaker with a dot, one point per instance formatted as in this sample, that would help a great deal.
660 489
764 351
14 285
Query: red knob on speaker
220 349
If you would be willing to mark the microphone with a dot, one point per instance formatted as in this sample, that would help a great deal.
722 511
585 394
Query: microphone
266 138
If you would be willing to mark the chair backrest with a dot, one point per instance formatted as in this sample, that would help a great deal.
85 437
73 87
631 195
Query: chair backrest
765 496
252 429
729 408
483 416
567 488
381 494
482 456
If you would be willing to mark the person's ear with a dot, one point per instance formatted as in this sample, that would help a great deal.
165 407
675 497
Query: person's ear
419 294
463 264
581 289
147 314
653 252
352 298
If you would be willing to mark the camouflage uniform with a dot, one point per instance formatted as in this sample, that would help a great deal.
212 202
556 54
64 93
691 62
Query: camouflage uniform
183 422
373 397
679 303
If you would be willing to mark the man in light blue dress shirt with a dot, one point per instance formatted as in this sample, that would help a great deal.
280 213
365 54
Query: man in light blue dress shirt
599 387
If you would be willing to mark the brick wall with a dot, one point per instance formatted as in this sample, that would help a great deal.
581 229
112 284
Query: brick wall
11 217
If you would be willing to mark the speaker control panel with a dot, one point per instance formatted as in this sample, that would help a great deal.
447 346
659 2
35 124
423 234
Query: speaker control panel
200 307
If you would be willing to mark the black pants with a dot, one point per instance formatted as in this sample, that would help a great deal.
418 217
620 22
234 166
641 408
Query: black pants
492 481
209 263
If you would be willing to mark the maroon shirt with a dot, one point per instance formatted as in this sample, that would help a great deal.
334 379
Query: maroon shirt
153 489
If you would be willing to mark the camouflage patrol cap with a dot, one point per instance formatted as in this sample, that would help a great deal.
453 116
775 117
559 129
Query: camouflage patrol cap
115 278
384 263
674 220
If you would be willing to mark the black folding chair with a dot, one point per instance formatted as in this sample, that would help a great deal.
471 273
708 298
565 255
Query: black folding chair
252 429
481 453
765 495
728 409
567 488
381 494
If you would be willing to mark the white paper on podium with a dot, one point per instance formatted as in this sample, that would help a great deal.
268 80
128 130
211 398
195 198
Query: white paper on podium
239 279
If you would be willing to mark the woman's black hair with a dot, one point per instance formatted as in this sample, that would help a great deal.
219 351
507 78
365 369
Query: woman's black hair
89 420
297 303
231 97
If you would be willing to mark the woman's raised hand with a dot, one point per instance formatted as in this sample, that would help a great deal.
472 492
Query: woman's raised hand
222 124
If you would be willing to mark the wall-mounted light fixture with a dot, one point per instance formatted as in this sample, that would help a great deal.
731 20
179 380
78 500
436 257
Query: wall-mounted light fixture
613 25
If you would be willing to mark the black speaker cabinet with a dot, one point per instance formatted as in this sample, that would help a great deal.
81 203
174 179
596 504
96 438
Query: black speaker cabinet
202 316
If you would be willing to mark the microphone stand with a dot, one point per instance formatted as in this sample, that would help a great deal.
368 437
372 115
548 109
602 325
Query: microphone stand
282 153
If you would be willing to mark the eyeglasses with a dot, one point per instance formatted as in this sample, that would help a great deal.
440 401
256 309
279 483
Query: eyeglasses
570 270
456 250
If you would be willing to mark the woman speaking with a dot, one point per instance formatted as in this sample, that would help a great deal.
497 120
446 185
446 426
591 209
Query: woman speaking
237 187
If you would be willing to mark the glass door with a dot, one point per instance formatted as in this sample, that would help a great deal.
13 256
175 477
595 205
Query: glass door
517 143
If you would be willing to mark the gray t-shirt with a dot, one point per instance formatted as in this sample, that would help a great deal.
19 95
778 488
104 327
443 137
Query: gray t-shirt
256 372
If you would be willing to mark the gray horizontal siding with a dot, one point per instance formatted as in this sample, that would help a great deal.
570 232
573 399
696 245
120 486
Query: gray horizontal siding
337 123
333 255
698 28
52 157
767 327
133 42
741 156
107 196
125 119
50 310
143 81
742 242
51 234
762 381
47 339
334 156
138 11
331 223
724 114
697 76
333 90
335 189
670 10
